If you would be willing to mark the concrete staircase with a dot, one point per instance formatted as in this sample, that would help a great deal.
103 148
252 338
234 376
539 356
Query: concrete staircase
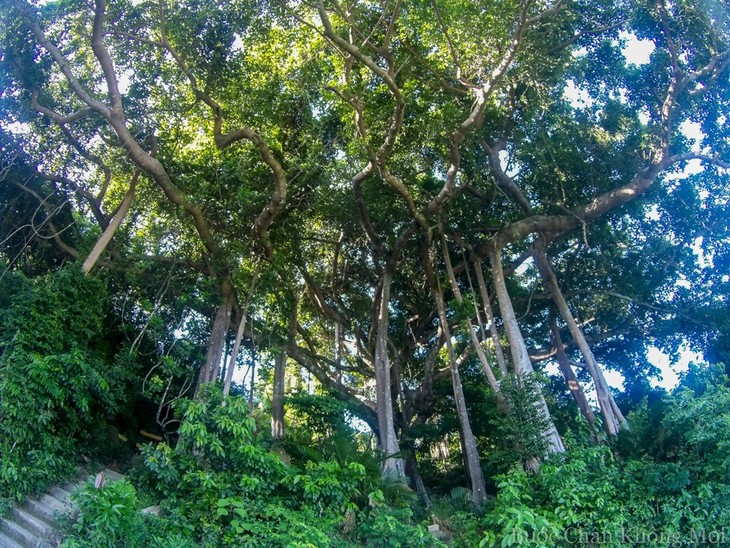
34 523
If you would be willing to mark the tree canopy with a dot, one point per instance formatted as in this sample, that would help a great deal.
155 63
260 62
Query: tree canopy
400 204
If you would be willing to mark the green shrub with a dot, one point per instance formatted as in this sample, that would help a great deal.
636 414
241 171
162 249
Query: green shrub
108 517
392 527
673 487
224 485
53 389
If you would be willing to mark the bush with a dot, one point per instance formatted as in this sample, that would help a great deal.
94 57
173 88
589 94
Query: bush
53 391
674 490
108 517
224 485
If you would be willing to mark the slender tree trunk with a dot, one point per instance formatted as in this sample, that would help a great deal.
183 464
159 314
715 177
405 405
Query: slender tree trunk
337 352
231 367
277 399
220 334
253 377
384 400
468 441
520 357
106 236
570 379
486 368
489 314
479 492
416 479
239 332
612 417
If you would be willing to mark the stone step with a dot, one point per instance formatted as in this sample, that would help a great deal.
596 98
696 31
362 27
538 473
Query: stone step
7 542
40 510
30 522
61 494
71 487
19 534
111 475
54 504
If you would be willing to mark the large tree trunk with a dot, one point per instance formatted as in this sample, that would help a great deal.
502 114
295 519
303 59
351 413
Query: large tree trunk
218 335
393 462
468 441
416 479
570 379
518 350
612 417
489 313
277 399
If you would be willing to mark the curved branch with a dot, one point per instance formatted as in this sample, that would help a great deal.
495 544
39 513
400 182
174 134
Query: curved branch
557 224
504 181
105 60
55 233
361 407
116 119
55 116
222 141
58 57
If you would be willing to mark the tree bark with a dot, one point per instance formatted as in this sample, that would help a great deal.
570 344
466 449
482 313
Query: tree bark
416 479
218 334
467 439
520 357
612 417
106 236
393 462
570 379
252 382
489 313
277 399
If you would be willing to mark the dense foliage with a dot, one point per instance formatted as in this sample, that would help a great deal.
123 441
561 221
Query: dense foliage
234 490
58 381
222 485
361 267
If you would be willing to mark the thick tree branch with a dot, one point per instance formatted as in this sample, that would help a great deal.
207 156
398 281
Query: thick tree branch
106 236
504 181
105 60
56 117
363 408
